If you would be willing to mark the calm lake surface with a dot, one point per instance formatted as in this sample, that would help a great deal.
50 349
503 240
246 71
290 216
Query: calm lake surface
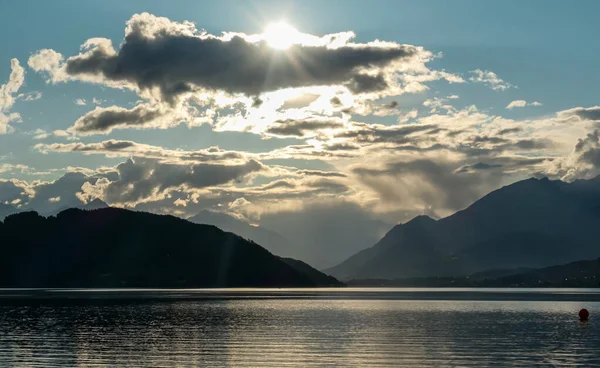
303 328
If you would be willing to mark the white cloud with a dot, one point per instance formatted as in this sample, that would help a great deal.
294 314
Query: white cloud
522 103
7 96
80 102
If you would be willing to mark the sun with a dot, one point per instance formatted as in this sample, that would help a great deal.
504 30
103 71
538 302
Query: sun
281 35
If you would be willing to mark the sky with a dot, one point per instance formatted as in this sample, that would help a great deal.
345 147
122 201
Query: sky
279 111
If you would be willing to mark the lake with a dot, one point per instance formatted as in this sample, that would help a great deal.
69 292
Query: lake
301 327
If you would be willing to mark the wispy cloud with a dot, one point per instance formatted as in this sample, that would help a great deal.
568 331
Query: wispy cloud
490 79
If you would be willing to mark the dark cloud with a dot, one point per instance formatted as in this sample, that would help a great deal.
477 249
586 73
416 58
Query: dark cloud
328 186
510 130
477 166
532 144
370 133
341 147
257 102
486 139
362 83
279 184
176 58
300 128
589 149
106 146
590 113
321 173
105 119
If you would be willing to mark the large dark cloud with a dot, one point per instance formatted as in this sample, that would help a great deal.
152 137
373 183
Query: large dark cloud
145 179
177 59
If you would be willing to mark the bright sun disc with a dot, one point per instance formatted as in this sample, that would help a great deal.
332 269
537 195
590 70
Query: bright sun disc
281 35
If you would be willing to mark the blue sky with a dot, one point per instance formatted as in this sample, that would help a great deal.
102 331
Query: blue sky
475 59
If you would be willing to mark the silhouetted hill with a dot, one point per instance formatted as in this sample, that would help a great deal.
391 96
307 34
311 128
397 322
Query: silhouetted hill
6 209
532 223
272 241
317 276
575 274
118 248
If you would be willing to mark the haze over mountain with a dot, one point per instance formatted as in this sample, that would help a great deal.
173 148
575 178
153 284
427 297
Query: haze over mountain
270 240
119 248
327 233
322 237
532 223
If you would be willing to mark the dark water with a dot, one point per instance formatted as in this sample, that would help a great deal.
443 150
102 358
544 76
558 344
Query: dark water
262 328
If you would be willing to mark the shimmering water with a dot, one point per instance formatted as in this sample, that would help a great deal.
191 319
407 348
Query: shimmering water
264 328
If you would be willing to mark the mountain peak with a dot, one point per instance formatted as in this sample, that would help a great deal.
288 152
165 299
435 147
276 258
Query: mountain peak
95 204
423 219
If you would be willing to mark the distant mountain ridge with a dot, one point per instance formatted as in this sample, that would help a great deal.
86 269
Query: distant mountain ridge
96 204
584 273
113 247
532 223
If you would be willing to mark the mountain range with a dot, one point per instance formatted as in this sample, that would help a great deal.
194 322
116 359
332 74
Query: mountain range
532 223
113 247
575 274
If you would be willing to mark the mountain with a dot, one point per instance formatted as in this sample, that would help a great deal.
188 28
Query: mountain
574 274
272 241
96 204
532 223
114 247
6 209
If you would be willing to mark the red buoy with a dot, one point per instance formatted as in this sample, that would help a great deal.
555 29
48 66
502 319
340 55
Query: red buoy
584 315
